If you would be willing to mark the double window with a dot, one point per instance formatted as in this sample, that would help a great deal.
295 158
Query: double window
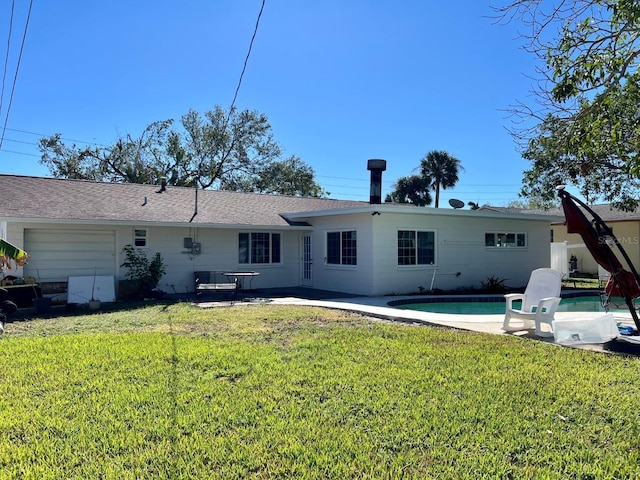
505 240
416 247
342 248
259 248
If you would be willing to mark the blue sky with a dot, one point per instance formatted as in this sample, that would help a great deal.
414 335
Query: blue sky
341 81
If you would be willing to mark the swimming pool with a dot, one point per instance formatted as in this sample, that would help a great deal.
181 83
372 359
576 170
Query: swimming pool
493 306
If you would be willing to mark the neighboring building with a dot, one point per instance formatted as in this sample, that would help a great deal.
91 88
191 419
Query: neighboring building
625 226
78 228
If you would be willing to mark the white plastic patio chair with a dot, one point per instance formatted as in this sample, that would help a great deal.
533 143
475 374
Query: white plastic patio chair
539 303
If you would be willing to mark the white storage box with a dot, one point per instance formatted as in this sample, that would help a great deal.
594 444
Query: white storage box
573 331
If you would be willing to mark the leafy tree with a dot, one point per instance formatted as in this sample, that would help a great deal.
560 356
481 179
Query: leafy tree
227 149
288 177
129 160
586 130
221 149
441 169
524 204
412 189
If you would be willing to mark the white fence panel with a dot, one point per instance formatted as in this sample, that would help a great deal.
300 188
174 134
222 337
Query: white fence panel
559 259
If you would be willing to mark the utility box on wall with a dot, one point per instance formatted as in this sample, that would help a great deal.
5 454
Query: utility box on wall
192 247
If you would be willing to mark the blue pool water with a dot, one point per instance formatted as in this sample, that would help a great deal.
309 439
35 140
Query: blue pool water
574 304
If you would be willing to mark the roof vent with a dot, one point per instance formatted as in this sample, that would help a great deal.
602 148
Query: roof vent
163 184
376 166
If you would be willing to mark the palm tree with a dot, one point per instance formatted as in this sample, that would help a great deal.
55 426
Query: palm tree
412 189
442 169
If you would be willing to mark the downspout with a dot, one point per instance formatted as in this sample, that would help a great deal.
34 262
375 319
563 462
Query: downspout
195 207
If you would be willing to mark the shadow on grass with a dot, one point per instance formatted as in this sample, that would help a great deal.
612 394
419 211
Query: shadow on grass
73 310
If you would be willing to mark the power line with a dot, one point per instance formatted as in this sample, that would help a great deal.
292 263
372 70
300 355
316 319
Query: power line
235 96
41 135
20 153
391 182
246 60
15 77
21 141
6 58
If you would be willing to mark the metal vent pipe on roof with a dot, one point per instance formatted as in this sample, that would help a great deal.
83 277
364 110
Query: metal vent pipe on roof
376 166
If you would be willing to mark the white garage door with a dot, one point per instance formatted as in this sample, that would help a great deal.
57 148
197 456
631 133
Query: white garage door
56 255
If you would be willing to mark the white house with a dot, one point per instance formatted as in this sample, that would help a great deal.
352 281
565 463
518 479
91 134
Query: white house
78 228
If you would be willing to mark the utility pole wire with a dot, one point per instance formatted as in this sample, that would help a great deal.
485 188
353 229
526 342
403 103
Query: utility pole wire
6 58
246 60
15 77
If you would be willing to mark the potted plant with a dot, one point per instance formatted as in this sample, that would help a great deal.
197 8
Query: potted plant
144 273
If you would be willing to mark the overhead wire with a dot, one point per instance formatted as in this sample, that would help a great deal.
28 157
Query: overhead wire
42 135
15 76
235 96
6 58
21 153
232 105
246 60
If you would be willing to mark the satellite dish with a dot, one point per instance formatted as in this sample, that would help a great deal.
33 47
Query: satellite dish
455 203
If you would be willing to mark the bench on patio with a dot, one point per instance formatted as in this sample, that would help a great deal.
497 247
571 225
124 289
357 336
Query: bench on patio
212 281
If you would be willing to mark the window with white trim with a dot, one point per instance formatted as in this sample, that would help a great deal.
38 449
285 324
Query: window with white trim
342 248
140 237
416 247
505 240
259 247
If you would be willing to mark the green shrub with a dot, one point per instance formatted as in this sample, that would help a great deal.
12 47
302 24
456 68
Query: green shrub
146 273
494 284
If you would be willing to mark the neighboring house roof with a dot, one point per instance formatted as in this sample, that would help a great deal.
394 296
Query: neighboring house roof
604 210
610 214
41 198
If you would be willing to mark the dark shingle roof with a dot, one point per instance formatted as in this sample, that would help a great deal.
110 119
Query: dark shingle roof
51 198
605 211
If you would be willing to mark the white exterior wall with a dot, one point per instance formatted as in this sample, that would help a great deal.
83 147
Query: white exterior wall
357 279
459 248
462 260
219 252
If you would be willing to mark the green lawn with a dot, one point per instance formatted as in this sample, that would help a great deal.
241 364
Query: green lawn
265 391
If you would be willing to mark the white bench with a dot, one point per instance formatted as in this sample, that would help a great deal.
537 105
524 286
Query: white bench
211 281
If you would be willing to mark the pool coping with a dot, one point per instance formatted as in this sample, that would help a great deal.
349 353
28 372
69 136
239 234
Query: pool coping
378 307
496 297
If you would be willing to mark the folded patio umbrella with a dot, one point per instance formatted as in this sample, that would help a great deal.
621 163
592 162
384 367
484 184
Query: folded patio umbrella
596 236
10 252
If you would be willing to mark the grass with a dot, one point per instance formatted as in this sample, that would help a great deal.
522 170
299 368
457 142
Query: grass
583 283
265 391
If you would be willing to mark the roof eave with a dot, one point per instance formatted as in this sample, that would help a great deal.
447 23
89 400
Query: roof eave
412 209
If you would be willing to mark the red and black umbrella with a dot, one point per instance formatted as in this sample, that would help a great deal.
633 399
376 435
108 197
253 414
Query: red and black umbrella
597 236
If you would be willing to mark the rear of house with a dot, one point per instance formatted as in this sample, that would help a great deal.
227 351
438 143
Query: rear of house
78 228
397 249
